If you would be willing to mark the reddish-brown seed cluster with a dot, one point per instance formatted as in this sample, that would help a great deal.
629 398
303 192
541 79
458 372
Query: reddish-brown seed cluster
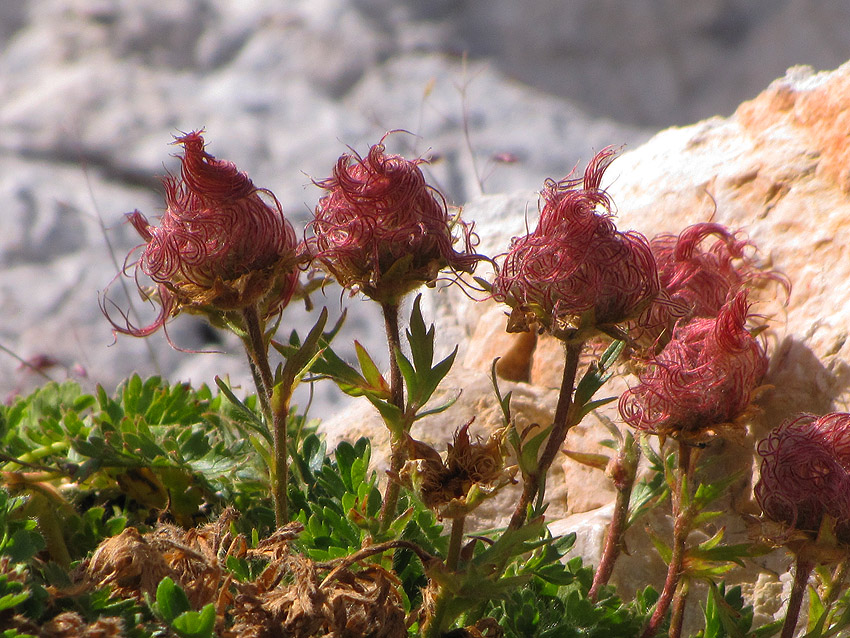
805 474
703 378
382 230
223 244
576 268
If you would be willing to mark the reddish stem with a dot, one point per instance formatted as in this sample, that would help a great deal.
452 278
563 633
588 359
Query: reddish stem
801 579
677 615
681 528
617 527
560 427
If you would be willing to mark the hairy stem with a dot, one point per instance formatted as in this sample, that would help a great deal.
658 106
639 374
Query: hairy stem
262 397
276 415
801 578
560 427
433 625
624 482
677 615
397 449
681 529
455 542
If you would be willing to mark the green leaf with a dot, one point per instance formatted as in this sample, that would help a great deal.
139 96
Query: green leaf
590 406
530 450
9 601
171 600
595 377
370 371
504 402
817 615
246 414
194 624
421 340
392 415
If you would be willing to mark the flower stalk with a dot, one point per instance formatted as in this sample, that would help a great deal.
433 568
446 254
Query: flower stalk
397 444
682 519
455 542
624 473
533 482
802 571
275 409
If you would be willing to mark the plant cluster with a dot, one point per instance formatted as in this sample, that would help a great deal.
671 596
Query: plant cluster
165 510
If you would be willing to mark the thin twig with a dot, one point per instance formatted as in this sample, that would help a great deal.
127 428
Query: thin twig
372 550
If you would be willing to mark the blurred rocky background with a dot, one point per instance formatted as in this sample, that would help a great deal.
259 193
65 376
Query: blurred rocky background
502 94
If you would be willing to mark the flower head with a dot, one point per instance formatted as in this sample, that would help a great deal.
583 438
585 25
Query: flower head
223 244
576 269
703 378
805 474
382 230
697 280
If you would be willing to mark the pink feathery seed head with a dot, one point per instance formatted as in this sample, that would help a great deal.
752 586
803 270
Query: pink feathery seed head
222 244
576 268
805 476
703 378
382 230
696 280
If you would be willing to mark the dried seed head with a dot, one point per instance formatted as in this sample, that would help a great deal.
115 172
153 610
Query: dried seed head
704 378
128 563
805 475
382 230
576 269
70 624
447 486
222 245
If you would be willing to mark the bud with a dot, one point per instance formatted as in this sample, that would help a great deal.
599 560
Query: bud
222 245
702 379
576 269
805 475
382 230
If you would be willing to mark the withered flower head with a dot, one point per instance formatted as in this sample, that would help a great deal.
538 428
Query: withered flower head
382 230
805 475
223 244
447 486
696 280
702 379
576 269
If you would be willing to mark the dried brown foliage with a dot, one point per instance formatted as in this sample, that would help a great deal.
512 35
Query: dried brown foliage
292 597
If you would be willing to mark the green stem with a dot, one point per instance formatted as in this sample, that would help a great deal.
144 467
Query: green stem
433 625
801 579
560 427
262 397
276 409
681 529
397 443
455 542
